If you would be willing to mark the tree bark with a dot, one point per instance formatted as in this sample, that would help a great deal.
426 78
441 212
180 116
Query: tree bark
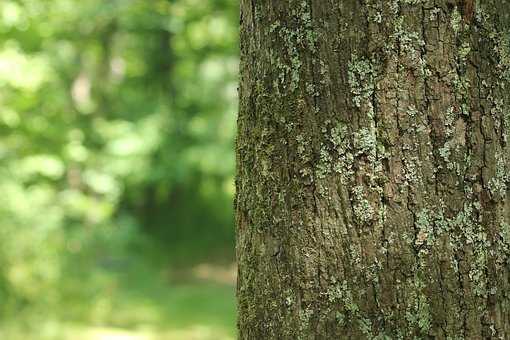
373 169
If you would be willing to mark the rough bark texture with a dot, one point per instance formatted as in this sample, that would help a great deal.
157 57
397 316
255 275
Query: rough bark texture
373 169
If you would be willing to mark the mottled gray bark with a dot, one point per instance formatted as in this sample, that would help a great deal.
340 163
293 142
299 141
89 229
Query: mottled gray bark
373 169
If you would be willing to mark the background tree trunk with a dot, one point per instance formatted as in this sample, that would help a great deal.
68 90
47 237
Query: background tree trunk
373 169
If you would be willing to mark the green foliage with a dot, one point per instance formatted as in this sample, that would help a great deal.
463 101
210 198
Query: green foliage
116 133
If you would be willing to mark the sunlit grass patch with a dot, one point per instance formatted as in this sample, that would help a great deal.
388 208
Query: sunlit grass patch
197 332
141 303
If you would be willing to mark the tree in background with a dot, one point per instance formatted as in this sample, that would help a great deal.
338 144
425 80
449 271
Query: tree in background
373 159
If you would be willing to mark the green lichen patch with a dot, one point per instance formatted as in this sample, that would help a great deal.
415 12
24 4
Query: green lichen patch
362 208
365 143
362 73
498 185
425 228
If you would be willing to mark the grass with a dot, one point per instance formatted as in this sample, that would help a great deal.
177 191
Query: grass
138 301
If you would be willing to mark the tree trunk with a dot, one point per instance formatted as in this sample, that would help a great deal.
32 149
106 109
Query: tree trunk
373 169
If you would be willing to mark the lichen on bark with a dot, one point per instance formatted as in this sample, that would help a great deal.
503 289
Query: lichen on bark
373 158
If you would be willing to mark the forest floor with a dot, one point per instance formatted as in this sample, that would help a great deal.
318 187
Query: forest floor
144 303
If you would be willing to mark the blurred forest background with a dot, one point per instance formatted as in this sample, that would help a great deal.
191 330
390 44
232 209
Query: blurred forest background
117 121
